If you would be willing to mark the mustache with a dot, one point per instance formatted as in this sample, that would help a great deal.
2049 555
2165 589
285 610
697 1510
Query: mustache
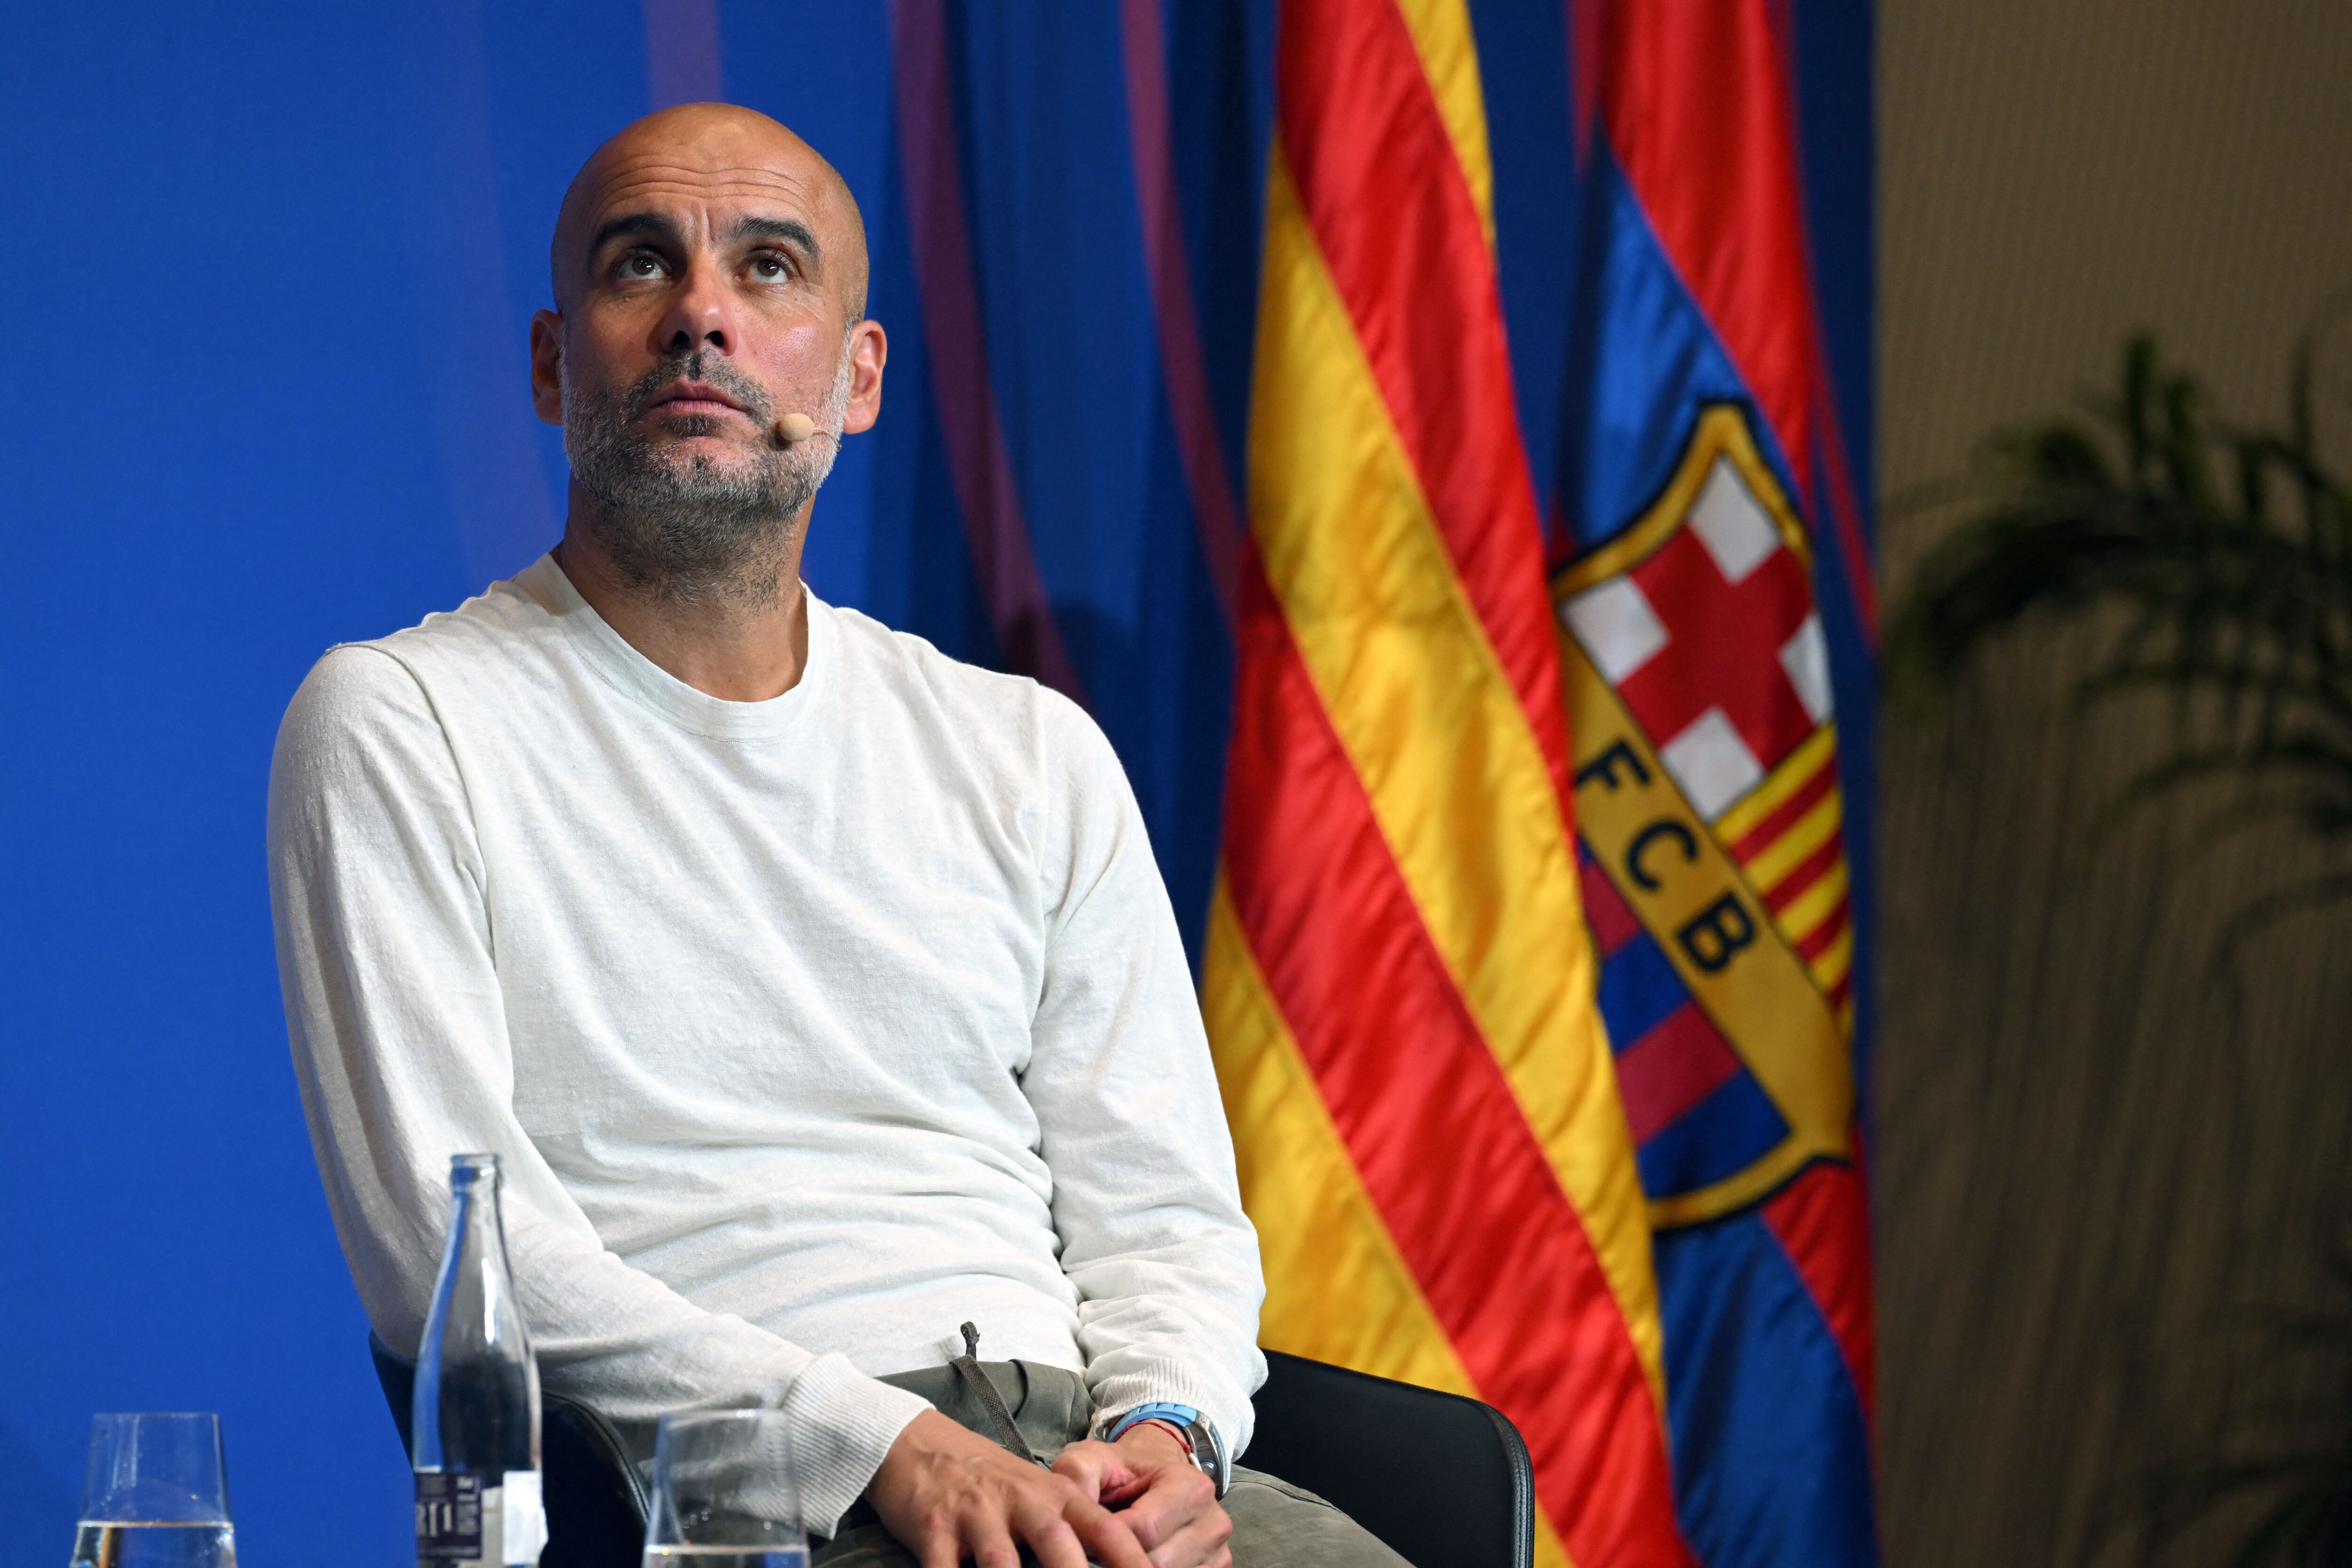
696 365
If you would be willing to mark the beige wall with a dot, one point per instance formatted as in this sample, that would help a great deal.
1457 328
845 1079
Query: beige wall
2092 1155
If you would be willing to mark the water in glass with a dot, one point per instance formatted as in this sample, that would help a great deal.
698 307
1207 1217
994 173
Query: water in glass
155 1494
153 1544
725 1493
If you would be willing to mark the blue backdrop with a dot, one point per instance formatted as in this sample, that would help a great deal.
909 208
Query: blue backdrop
263 390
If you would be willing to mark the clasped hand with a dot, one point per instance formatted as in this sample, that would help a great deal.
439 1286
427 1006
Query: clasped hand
949 1494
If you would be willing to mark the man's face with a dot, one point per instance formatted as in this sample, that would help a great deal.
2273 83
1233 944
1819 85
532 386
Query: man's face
708 268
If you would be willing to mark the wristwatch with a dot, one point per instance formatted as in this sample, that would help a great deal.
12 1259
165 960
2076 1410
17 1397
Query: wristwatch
1201 1440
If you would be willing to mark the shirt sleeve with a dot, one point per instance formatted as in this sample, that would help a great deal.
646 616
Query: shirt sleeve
399 1035
1146 1202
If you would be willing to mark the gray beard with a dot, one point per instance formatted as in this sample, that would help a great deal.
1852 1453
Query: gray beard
681 528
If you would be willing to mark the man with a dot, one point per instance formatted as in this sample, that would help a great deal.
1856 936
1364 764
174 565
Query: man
820 993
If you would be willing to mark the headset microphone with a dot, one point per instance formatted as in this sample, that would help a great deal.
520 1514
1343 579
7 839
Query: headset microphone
791 429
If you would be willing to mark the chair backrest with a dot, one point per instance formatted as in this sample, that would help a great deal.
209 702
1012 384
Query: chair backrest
595 1498
1444 1481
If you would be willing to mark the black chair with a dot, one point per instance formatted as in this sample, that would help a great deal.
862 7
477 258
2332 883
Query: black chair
1444 1481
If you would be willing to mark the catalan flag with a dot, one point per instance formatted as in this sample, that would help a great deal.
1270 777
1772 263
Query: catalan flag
1398 980
1714 596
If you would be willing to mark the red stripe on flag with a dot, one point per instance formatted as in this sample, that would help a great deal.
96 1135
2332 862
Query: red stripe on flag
1823 1221
1614 924
1427 1113
1392 214
1583 73
1699 109
1681 1061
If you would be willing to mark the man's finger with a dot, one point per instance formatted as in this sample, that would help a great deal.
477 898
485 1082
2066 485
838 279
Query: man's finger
1083 1470
1049 1533
1108 1539
1175 1498
938 1547
992 1544
1200 1544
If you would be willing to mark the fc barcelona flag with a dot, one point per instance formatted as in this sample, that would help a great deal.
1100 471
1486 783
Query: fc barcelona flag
1713 599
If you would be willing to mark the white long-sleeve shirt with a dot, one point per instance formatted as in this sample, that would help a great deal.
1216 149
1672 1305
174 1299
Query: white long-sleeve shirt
805 1029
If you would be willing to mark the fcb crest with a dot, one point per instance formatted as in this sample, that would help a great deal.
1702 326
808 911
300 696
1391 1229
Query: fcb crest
1698 685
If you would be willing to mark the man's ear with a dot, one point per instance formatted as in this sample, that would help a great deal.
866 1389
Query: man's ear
869 350
547 366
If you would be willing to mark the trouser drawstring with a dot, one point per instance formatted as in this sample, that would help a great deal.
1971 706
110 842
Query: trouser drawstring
967 1366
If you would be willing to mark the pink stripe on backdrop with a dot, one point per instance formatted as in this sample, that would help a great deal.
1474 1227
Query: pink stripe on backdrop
1183 365
682 52
973 432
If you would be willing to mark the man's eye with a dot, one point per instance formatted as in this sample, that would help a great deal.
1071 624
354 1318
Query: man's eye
641 266
769 268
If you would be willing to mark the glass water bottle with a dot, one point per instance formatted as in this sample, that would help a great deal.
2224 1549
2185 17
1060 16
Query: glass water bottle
475 1417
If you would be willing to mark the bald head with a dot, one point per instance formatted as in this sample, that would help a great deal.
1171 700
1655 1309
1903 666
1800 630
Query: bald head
709 156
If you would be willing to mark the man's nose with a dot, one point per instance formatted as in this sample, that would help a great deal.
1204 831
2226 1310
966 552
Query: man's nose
700 315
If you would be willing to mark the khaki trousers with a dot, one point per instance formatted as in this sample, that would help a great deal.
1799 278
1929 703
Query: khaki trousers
1275 1524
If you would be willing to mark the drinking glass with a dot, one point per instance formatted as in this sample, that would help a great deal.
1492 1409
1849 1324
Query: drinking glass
155 1494
725 1494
